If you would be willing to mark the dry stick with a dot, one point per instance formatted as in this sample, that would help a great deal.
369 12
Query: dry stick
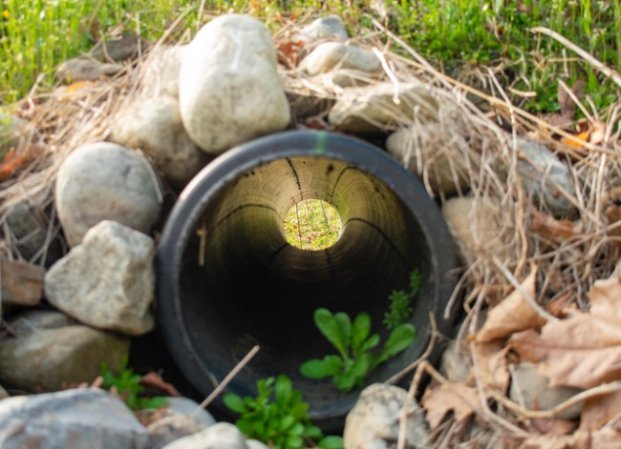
613 74
229 377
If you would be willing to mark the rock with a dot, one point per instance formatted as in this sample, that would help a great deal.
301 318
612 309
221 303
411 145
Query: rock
379 107
346 63
185 406
229 91
161 76
373 423
533 391
15 133
3 393
73 419
50 350
108 281
437 156
542 175
154 126
85 69
327 28
256 444
171 428
456 363
476 225
219 436
105 181
125 46
22 282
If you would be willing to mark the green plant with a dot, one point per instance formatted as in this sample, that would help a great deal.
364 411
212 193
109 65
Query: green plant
127 385
355 359
400 308
278 416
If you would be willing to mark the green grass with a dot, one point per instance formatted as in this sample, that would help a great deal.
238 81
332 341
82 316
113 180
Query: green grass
312 225
457 35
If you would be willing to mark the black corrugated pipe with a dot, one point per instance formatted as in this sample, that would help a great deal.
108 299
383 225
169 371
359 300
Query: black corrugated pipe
228 280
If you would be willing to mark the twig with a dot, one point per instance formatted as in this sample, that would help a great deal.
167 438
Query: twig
229 377
613 74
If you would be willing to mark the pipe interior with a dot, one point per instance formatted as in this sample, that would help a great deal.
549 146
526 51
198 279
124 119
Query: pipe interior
242 284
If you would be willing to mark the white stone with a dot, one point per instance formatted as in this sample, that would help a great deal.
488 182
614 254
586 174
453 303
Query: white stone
533 391
219 436
437 156
544 178
382 106
373 423
50 350
105 181
331 56
72 419
186 406
229 90
171 428
108 281
256 444
161 76
154 126
456 362
328 28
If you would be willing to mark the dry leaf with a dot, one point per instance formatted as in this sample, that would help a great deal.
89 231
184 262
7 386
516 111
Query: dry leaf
554 426
511 315
154 380
600 410
583 350
462 400
493 366
598 132
602 439
551 228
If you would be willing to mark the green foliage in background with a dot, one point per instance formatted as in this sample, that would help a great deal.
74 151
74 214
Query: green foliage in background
354 344
400 307
278 416
127 385
312 225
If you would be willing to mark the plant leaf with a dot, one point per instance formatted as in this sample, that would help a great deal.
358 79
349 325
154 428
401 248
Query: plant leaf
360 331
330 327
320 368
372 342
283 390
331 442
345 328
399 339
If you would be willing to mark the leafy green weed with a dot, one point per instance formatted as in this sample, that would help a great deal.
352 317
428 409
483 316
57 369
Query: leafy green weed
127 385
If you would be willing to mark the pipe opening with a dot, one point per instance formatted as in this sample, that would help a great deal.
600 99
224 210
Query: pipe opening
312 225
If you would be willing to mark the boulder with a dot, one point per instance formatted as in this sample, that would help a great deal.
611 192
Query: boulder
105 181
435 155
49 350
15 133
219 436
154 126
85 69
161 76
3 393
373 423
533 391
229 91
124 46
73 419
382 106
256 444
325 28
186 406
107 281
544 177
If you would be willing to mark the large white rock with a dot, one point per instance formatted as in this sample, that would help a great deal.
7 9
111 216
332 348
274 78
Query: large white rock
105 181
229 91
154 126
50 350
161 75
328 28
108 281
219 436
72 419
373 423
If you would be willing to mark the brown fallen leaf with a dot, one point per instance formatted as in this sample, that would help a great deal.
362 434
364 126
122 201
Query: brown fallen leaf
154 380
551 228
438 400
600 410
583 350
511 315
493 366
602 439
551 426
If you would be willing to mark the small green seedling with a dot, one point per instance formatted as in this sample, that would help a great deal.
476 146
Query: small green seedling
400 308
278 416
355 359
128 387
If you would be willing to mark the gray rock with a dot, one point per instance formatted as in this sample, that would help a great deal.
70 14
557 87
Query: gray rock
3 393
533 390
186 406
105 181
125 46
219 436
50 350
542 176
154 126
73 419
108 281
85 69
373 423
256 444
380 107
15 133
161 76
229 91
456 363
171 428
348 63
437 156
328 28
